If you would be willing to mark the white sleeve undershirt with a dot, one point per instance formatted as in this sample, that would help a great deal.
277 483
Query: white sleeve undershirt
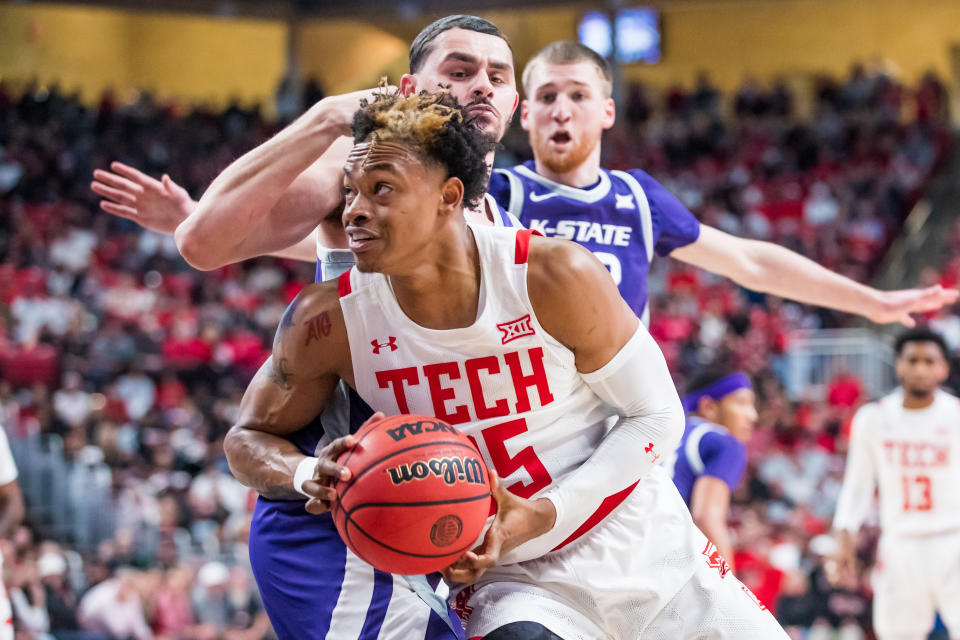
637 383
859 478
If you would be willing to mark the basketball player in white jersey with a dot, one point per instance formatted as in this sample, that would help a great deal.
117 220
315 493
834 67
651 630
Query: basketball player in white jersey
11 514
526 345
908 445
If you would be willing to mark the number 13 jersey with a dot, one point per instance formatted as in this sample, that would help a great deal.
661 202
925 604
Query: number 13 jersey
914 457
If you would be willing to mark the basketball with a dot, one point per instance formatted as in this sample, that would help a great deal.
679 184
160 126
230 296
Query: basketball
417 498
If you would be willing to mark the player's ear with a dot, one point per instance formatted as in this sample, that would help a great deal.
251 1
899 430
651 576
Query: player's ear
451 195
944 371
525 115
708 408
408 84
900 367
609 113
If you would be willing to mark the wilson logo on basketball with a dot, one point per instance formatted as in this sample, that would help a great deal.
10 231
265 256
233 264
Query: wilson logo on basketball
516 329
417 428
391 343
446 530
450 470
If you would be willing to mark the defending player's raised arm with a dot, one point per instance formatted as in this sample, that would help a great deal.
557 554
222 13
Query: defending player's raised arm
770 268
273 196
161 205
578 304
292 387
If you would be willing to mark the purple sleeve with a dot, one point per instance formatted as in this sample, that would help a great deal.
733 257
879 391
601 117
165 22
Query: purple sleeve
723 457
673 224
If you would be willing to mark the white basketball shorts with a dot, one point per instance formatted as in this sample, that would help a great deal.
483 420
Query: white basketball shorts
644 571
914 577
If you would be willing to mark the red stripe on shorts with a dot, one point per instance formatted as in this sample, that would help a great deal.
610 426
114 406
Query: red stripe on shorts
609 504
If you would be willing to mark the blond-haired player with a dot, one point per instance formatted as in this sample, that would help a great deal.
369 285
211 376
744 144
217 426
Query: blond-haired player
908 444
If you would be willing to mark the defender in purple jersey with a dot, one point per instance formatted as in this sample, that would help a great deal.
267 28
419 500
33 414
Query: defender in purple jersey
710 460
626 217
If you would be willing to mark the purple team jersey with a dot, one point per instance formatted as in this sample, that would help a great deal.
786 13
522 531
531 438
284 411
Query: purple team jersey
623 219
707 449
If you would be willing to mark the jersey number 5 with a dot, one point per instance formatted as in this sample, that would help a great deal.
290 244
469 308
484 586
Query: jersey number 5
916 493
504 464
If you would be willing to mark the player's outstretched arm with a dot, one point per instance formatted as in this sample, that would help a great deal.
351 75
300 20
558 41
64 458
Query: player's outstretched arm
161 205
577 303
767 267
273 196
290 389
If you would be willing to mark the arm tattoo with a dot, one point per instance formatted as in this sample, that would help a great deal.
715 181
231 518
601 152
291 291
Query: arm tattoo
286 321
319 327
280 375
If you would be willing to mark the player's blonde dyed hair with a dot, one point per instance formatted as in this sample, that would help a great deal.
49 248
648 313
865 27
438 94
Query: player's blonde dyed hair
413 120
432 125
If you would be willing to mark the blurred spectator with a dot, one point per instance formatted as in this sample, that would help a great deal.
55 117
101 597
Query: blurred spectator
114 609
61 599
137 391
72 404
228 601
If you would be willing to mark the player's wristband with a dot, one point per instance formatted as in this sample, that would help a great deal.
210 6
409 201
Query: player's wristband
303 473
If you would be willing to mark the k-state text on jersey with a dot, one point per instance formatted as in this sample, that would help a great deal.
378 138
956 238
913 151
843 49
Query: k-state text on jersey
585 231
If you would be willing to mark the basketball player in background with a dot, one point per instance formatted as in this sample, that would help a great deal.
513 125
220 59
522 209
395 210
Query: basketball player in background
584 553
711 458
625 217
11 514
908 445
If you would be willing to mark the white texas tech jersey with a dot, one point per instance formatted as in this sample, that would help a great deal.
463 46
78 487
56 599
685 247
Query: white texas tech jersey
503 380
914 457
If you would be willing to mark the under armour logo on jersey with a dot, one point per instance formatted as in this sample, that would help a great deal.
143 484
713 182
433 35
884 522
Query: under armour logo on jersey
624 201
516 329
654 456
391 342
715 560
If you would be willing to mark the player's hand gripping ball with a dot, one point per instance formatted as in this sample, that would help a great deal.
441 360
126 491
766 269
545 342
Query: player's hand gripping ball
418 495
